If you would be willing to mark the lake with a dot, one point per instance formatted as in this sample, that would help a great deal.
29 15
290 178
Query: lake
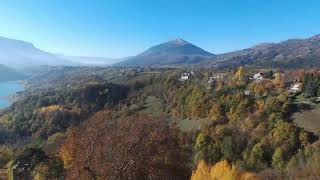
7 89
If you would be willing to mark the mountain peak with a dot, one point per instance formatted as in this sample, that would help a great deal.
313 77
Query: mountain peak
179 41
177 51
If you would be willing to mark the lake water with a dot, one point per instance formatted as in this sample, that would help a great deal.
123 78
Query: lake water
7 89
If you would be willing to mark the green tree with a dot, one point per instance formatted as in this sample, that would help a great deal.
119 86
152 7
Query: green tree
278 161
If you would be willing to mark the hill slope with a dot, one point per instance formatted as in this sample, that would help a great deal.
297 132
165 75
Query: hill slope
19 54
9 74
175 52
293 53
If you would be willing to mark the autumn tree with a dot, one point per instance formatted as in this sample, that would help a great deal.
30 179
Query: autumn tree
35 163
216 112
278 80
6 154
138 147
240 73
221 170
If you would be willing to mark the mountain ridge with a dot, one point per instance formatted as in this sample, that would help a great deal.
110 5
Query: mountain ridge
292 53
17 54
173 52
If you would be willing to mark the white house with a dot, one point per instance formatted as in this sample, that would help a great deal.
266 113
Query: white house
185 76
295 87
247 92
211 81
258 76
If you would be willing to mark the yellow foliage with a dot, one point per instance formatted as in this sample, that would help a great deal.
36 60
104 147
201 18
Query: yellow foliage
240 73
92 83
56 136
66 156
51 108
202 172
220 171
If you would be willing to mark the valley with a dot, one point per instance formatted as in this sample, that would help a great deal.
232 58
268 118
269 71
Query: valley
159 90
203 115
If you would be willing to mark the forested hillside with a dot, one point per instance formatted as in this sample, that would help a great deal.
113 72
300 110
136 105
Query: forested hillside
154 123
292 53
9 74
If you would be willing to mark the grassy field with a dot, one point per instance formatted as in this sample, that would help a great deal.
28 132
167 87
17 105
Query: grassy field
192 124
152 106
307 119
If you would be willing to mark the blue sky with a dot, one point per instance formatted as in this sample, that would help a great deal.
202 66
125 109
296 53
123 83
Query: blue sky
119 28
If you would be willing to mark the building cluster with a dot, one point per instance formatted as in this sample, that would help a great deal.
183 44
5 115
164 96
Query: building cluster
213 78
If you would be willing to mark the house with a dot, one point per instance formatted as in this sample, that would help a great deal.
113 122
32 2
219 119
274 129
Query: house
295 87
185 76
258 76
211 81
247 92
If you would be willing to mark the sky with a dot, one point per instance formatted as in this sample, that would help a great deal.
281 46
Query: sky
121 28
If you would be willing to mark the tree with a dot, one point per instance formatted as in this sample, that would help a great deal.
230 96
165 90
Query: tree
221 170
200 141
6 154
138 147
33 161
257 152
240 73
285 134
311 85
278 80
202 172
278 161
216 112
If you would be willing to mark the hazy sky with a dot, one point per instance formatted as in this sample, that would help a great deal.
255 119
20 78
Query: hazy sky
117 28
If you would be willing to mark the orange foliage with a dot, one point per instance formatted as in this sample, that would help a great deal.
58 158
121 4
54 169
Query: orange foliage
136 147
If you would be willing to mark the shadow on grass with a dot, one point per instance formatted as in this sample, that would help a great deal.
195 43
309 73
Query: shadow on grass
294 108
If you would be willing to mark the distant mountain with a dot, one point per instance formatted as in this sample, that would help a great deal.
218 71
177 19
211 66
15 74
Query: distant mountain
16 53
9 74
293 53
175 52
